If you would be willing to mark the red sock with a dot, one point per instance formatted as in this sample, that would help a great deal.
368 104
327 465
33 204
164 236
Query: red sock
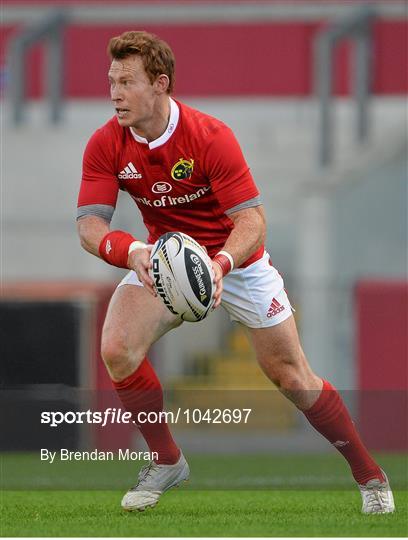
330 417
142 391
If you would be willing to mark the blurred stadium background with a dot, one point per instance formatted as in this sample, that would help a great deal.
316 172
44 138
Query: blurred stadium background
316 92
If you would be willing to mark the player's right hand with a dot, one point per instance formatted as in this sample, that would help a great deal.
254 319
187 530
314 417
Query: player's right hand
218 275
139 261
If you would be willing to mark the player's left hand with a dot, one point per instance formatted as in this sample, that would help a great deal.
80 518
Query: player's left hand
218 274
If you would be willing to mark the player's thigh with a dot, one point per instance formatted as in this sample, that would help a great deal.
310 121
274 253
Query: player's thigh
277 344
134 321
255 296
281 357
279 353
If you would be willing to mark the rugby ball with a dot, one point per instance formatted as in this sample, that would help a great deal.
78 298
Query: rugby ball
183 276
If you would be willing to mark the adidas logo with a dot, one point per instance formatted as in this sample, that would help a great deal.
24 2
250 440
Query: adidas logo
274 308
340 444
129 173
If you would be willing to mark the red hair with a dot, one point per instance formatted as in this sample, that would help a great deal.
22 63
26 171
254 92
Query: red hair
155 53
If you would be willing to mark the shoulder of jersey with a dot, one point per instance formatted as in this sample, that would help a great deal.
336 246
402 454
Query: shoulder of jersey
112 127
111 131
201 123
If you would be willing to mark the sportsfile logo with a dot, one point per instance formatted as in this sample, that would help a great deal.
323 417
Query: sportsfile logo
129 173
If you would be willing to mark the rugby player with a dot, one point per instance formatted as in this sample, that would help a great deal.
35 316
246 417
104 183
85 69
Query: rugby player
186 172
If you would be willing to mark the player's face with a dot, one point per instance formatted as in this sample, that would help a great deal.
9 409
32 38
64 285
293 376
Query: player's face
131 91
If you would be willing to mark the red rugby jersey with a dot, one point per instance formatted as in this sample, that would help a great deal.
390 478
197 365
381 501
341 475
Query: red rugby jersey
184 181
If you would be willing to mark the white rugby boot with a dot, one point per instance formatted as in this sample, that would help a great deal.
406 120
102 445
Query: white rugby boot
377 497
154 480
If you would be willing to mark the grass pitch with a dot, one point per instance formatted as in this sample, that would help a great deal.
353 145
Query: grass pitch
266 496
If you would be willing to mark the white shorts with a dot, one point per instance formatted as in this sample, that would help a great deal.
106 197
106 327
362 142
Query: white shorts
254 296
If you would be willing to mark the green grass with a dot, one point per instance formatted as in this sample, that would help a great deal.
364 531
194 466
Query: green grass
198 513
257 502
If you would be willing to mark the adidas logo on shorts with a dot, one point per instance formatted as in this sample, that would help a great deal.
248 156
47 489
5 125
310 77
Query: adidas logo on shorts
274 308
129 173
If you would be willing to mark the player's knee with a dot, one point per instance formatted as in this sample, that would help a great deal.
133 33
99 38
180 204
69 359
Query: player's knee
286 379
291 381
114 354
118 358
286 371
296 377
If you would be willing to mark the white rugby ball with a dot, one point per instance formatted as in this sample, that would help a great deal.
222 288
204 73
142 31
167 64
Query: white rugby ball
183 276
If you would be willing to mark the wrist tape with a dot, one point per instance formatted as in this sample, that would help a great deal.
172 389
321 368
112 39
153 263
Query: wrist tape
114 248
225 260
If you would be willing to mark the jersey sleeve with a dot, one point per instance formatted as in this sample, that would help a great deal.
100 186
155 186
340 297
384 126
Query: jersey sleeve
99 186
229 174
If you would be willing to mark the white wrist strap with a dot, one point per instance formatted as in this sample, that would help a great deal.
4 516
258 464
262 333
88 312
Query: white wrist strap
229 257
137 244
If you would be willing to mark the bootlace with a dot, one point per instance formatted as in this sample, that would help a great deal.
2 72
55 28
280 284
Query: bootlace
144 474
376 496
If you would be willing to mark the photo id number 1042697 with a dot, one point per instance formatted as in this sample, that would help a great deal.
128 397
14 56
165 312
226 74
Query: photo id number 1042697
217 416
